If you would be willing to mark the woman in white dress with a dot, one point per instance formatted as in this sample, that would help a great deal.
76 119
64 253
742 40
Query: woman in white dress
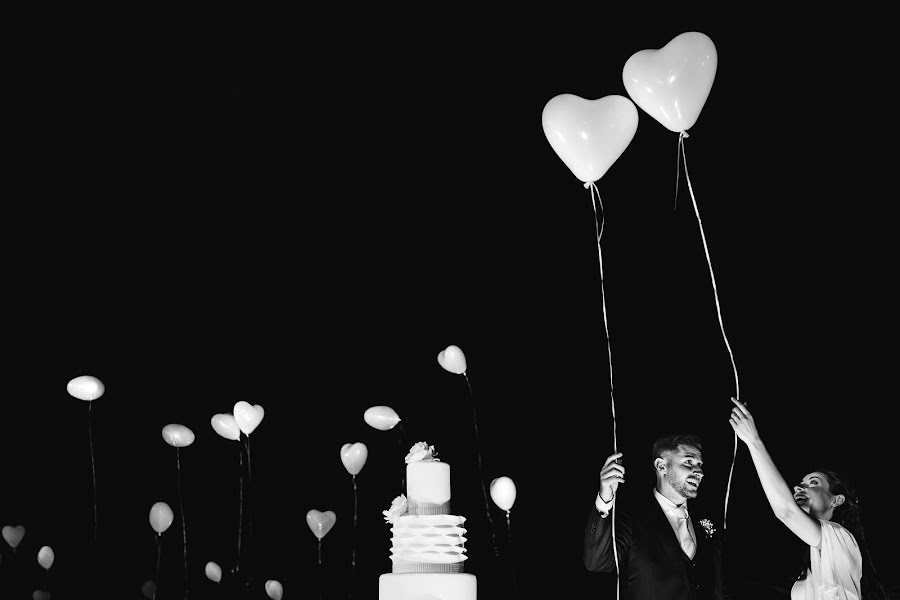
824 513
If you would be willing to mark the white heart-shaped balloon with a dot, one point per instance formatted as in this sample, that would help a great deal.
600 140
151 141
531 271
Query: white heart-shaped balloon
381 417
354 457
503 492
46 556
13 535
320 523
671 84
452 359
589 135
213 572
177 435
225 425
274 589
248 416
85 387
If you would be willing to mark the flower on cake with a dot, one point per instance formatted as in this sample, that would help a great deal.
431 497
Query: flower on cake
397 509
421 451
708 526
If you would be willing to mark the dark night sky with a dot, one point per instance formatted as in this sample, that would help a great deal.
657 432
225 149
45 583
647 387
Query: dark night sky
303 213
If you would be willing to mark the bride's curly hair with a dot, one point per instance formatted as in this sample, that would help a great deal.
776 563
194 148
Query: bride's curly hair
849 516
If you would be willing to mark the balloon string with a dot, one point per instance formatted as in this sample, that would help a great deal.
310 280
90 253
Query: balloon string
158 554
93 471
183 524
598 225
712 277
249 484
400 444
353 552
321 578
512 562
237 567
487 509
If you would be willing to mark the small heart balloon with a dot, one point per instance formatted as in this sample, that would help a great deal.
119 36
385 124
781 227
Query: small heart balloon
40 595
452 359
589 135
13 535
225 425
248 416
177 435
85 387
213 572
320 523
161 517
149 589
672 83
503 492
354 457
274 589
46 557
381 417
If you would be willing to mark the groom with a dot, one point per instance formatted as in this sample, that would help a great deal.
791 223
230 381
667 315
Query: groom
662 552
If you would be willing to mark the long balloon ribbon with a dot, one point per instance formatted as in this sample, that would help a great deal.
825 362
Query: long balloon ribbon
487 510
598 225
93 470
183 523
712 276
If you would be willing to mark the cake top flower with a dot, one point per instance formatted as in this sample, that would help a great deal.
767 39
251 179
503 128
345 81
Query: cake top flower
421 451
397 509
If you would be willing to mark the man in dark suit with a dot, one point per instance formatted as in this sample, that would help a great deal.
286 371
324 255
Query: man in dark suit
661 553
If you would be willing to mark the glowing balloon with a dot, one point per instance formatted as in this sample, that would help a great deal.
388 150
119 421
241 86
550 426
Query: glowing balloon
225 425
503 492
274 589
672 84
13 535
381 417
589 135
320 523
46 557
213 572
86 388
452 359
248 416
161 517
149 588
354 457
40 595
177 435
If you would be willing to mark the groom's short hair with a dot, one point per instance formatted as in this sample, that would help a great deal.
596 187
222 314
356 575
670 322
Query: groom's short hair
669 442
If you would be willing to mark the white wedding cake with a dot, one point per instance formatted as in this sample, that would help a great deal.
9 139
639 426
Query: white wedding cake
427 542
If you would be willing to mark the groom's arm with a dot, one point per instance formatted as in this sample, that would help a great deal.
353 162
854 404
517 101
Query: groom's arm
598 552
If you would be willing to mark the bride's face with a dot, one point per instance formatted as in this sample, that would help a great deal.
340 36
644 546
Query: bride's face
813 495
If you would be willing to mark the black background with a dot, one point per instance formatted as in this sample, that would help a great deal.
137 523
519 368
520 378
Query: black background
302 211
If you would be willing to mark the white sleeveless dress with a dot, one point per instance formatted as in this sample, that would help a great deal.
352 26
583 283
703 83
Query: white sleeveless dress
835 567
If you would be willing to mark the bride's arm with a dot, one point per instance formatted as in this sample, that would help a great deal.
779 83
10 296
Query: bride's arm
776 489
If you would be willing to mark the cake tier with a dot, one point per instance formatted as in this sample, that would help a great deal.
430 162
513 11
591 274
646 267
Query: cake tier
428 486
428 543
430 586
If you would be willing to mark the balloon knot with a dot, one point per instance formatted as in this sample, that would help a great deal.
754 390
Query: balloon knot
587 184
684 134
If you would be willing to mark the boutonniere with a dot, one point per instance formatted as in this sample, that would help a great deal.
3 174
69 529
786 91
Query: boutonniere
708 528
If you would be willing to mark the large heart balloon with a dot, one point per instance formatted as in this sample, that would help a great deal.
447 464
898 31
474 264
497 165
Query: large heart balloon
46 556
672 83
503 492
226 425
161 517
213 572
85 387
354 457
274 589
381 417
177 435
248 416
589 135
13 535
452 359
320 523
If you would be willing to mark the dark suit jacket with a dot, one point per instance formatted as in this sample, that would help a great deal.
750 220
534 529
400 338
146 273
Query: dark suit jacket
652 565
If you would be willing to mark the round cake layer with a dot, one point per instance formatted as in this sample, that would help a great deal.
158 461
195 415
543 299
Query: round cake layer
427 483
435 586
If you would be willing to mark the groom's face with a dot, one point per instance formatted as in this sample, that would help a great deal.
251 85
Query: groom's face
684 470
